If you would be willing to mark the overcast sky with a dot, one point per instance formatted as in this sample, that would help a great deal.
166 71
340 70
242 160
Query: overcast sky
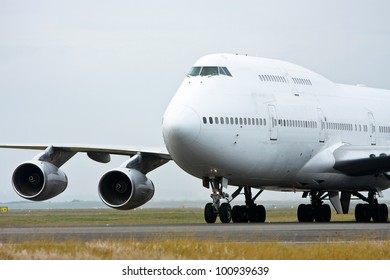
103 72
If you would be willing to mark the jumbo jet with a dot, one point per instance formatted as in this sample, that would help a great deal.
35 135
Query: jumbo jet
248 124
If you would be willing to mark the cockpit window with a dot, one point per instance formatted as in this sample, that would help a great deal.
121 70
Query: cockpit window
227 73
195 71
209 71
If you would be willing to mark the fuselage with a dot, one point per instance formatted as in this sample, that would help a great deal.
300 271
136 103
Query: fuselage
271 124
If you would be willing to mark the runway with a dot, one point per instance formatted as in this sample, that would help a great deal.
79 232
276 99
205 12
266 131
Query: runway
271 232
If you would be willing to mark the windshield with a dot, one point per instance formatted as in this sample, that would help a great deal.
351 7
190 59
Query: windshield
209 71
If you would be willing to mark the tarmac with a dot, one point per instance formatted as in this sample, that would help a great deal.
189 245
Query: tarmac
265 232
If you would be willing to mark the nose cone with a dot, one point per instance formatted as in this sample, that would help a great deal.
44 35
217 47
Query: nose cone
181 127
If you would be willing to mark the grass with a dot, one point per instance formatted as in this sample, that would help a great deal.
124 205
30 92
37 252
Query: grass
140 216
183 249
171 249
100 217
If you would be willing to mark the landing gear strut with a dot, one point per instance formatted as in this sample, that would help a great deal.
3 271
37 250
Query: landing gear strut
212 210
250 212
372 210
316 210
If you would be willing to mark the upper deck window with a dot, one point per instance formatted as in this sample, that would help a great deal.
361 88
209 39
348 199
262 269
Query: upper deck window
209 71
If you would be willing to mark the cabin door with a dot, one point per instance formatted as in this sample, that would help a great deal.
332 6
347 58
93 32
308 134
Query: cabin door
273 122
371 128
321 124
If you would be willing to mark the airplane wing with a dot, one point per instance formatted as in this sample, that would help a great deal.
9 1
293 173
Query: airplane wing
362 160
114 150
59 154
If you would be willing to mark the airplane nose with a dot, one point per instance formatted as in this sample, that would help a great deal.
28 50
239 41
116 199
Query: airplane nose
181 127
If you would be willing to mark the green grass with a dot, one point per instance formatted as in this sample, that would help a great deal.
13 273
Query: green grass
139 216
100 217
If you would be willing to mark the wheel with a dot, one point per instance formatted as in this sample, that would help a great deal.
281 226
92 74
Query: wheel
225 213
384 210
239 214
323 213
362 213
359 213
305 213
326 213
380 213
301 213
236 215
257 214
243 214
367 213
209 215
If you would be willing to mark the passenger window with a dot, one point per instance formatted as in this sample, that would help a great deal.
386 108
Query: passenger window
211 120
222 120
204 120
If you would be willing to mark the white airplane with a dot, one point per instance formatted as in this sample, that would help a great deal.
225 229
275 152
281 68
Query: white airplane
255 124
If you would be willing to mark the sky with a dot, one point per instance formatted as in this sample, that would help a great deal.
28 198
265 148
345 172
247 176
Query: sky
103 72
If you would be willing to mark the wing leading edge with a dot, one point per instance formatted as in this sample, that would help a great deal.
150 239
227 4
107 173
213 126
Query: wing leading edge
152 157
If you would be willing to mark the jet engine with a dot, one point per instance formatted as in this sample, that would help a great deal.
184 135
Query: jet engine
124 188
38 180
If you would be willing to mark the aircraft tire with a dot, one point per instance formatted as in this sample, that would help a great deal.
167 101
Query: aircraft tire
209 215
305 213
323 213
236 215
225 213
257 214
363 213
380 213
239 214
301 213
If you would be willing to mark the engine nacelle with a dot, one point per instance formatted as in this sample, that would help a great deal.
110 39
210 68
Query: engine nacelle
125 189
38 180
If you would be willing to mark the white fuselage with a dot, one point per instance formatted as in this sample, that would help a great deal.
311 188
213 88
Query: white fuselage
272 125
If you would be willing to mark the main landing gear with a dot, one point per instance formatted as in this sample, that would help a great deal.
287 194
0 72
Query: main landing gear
372 210
250 212
320 212
316 210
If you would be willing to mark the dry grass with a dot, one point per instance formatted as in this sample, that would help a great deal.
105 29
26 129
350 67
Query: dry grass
193 250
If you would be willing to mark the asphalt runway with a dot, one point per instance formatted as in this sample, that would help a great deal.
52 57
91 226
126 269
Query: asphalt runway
275 232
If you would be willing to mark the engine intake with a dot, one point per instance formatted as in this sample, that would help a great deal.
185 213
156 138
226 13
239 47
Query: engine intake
38 180
125 189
